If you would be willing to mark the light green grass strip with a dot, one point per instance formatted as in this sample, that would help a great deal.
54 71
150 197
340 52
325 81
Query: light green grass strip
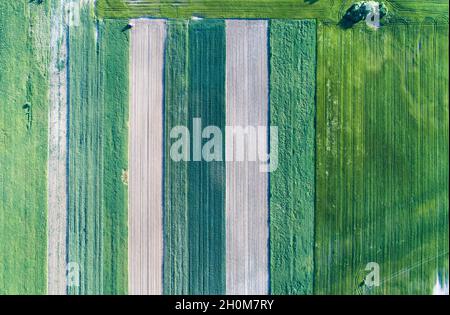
176 256
98 136
217 8
292 185
113 58
206 187
24 60
382 148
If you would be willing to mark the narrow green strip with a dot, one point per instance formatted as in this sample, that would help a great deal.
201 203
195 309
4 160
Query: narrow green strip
292 185
24 61
114 81
175 174
206 191
85 158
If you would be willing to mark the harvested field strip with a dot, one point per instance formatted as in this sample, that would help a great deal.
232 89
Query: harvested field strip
97 156
146 153
382 171
292 186
114 60
247 202
85 185
176 257
57 155
24 60
206 188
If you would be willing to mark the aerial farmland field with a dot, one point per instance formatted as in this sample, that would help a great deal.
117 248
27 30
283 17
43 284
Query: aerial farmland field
237 147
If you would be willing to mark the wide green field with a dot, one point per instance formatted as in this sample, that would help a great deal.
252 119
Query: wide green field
382 157
24 60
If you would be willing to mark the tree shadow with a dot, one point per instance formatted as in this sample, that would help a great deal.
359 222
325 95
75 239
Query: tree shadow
127 27
353 15
346 23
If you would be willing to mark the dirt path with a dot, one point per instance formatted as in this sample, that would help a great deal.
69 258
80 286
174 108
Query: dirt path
145 242
247 188
57 155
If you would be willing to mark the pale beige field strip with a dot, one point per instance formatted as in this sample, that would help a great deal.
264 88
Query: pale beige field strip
247 230
145 242
57 154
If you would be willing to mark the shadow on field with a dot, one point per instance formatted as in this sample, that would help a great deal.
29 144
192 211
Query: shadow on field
346 23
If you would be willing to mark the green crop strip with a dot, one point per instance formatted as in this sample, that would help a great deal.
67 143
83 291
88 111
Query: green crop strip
382 150
292 185
176 182
206 189
381 182
24 60
98 111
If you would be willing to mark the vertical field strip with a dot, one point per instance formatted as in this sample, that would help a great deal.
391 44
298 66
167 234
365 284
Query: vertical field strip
114 62
57 155
176 172
206 188
145 155
292 185
247 203
383 159
97 96
85 162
